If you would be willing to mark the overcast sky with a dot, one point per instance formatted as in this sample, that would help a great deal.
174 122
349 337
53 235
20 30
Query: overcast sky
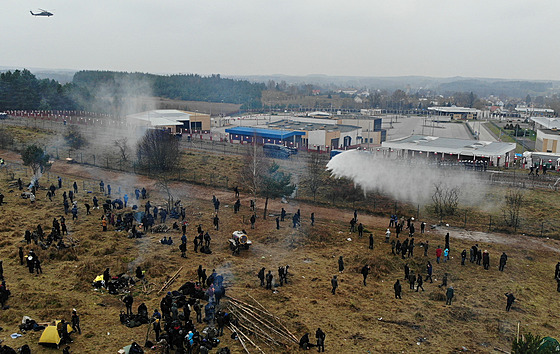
476 38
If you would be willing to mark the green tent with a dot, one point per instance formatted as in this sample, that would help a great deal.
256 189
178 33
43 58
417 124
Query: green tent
548 345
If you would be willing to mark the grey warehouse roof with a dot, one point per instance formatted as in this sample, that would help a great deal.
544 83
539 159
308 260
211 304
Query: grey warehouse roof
305 126
450 145
550 123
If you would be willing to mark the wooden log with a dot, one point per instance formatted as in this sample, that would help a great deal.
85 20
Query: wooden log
269 325
238 337
171 280
249 339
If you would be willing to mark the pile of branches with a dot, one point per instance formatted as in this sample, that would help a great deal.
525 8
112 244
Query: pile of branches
160 228
257 322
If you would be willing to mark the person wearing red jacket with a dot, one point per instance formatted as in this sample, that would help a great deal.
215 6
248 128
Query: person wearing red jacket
438 253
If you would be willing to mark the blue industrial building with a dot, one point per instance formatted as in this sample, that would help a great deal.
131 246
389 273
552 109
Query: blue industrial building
265 136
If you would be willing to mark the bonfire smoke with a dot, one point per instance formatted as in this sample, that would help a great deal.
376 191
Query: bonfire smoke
402 180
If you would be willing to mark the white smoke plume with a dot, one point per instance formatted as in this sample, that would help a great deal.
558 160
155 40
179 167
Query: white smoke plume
403 180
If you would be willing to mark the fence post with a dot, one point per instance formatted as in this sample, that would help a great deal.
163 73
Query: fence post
542 228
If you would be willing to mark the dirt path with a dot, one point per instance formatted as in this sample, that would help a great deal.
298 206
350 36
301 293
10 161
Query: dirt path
185 190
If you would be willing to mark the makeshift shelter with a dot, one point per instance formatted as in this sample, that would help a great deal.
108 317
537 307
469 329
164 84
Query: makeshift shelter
549 345
50 335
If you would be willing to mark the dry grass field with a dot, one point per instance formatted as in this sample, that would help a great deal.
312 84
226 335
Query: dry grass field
356 319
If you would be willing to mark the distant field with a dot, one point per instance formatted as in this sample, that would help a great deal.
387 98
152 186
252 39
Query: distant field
214 108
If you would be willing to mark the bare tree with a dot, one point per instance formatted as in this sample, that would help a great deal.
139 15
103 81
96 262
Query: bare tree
446 200
124 149
315 170
164 184
158 150
513 201
253 171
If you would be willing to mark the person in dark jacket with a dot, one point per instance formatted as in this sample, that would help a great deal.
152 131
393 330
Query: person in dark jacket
449 295
503 261
261 276
398 289
334 284
365 272
76 322
320 336
340 264
510 299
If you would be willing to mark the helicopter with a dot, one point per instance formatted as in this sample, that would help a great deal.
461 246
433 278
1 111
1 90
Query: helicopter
42 13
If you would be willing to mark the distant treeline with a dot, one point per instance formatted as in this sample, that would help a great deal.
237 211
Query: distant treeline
115 92
189 87
22 90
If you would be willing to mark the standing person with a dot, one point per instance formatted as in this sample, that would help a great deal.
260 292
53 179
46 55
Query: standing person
20 252
510 300
253 219
426 246
438 253
277 223
443 281
429 270
75 186
334 284
104 223
463 257
269 278
125 198
76 321
371 241
557 271
486 260
216 222
102 186
59 182
340 264
360 230
406 271
183 249
404 248
393 244
412 280
282 214
422 227
447 240
411 248
157 328
450 293
128 300
320 336
355 215
387 235
261 275
446 255
503 260
108 189
420 282
398 289
365 272
313 223
37 265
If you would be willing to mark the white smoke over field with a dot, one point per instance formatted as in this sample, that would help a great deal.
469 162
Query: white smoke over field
405 181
